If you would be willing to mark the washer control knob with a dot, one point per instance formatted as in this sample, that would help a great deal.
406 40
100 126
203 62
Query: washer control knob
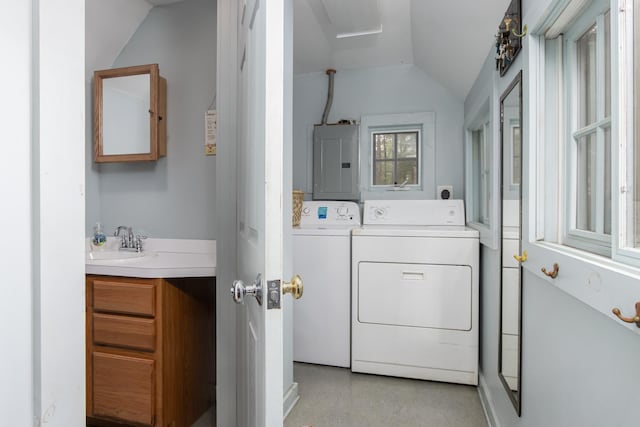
306 211
342 211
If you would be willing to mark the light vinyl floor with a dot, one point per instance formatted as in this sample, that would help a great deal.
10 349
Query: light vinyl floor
336 397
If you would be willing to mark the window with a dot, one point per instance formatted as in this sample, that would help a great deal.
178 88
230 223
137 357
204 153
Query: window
482 181
480 175
598 181
587 74
628 247
582 157
516 154
632 238
395 158
397 153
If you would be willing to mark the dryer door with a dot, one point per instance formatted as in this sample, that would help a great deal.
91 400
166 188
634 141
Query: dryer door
416 295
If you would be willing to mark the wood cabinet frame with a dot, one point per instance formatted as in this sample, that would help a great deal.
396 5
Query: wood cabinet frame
180 357
157 114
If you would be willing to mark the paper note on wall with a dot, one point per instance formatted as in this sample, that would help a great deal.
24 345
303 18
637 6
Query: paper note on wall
210 130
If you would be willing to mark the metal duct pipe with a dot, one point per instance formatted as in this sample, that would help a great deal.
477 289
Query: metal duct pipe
327 107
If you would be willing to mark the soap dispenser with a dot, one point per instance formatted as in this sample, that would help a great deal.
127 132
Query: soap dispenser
99 238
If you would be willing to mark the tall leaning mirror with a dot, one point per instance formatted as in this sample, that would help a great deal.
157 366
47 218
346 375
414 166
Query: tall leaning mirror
510 342
129 114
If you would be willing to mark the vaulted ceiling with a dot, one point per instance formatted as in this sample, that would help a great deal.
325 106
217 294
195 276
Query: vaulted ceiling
449 40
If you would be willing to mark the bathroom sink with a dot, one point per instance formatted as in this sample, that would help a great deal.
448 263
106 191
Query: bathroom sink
110 252
102 255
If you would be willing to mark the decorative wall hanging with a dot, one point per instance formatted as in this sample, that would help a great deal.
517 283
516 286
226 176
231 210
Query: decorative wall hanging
509 37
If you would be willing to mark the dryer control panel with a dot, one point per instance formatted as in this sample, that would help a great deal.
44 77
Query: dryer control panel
414 212
329 213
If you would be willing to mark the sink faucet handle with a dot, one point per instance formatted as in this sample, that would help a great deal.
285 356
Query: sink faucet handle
121 228
138 243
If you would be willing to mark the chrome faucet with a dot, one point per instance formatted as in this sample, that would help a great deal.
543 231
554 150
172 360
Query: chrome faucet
128 241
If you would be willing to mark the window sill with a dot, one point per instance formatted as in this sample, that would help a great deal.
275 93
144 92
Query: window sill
595 260
488 236
596 281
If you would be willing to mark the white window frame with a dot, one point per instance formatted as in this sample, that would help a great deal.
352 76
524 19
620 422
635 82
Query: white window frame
481 117
600 282
596 242
422 121
396 130
514 186
478 201
624 152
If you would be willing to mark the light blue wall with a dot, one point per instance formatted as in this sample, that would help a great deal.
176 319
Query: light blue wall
579 367
381 90
175 196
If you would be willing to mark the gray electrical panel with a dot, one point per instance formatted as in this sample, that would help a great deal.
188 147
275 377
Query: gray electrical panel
335 162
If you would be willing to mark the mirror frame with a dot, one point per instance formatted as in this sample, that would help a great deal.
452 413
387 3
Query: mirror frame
157 114
515 397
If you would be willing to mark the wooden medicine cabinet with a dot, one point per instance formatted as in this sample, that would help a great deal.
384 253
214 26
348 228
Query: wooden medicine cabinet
129 114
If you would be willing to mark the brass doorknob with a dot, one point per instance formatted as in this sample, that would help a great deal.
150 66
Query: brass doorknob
295 287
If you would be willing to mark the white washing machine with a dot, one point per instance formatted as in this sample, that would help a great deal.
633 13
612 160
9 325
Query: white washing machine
322 256
415 291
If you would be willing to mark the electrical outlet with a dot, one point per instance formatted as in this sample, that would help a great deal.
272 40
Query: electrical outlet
445 192
210 149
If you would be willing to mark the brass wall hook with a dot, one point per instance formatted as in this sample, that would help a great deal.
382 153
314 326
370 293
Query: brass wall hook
553 273
522 34
635 319
521 258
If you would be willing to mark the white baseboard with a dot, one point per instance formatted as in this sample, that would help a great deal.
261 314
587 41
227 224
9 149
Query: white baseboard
487 404
291 397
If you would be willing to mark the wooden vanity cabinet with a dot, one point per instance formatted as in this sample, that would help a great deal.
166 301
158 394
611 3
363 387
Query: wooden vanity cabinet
150 350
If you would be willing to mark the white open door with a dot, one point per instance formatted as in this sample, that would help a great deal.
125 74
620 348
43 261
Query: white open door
251 117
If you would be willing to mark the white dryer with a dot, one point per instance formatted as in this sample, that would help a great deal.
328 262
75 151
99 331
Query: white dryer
322 256
415 291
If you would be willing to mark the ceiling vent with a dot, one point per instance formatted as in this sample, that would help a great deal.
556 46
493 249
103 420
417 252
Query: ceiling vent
354 18
162 2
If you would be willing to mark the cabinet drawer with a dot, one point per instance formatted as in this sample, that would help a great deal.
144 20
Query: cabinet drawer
124 331
129 298
123 388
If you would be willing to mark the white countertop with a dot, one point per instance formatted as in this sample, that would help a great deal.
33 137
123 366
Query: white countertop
161 258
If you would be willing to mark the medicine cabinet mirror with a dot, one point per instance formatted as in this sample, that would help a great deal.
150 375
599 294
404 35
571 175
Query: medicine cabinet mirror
510 340
129 116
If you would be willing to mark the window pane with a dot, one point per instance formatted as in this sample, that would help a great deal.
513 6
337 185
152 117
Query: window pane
633 198
607 181
408 145
516 162
476 170
383 146
607 64
586 50
384 173
396 158
407 172
586 184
